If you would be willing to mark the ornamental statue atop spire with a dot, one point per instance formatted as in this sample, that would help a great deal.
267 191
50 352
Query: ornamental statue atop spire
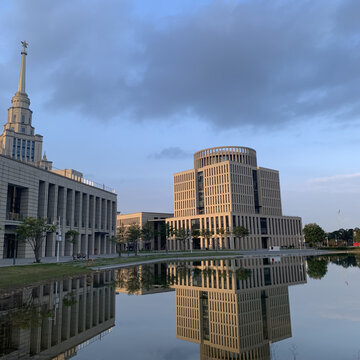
18 139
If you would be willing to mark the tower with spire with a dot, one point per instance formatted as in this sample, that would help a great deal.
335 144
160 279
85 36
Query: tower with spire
18 139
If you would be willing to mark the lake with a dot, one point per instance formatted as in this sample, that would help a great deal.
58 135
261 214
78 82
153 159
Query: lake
243 308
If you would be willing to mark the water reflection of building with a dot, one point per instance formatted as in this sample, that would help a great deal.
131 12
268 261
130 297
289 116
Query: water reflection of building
143 279
231 312
55 320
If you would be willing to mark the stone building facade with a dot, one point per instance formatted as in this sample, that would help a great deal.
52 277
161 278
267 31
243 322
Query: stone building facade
29 187
227 189
156 221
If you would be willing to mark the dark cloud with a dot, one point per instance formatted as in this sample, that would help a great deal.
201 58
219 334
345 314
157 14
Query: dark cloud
258 63
170 153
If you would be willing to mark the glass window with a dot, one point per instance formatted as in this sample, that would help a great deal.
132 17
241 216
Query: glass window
23 130
32 150
14 146
14 117
22 118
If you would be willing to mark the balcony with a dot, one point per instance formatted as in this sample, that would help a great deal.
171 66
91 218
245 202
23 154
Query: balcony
14 216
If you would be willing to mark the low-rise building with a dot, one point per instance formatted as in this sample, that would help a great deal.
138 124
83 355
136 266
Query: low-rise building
156 221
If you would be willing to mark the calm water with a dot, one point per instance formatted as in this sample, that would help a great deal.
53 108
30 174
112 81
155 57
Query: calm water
271 308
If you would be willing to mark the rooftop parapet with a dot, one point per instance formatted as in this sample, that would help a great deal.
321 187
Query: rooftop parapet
240 154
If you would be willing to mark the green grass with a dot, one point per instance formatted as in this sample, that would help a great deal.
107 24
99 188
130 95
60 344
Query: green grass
26 275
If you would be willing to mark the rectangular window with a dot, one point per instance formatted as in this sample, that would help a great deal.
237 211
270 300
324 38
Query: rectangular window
32 150
14 118
14 146
23 149
28 150
18 144
23 130
23 119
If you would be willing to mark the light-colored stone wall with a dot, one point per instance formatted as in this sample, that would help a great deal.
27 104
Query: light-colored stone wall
49 195
185 202
236 192
141 218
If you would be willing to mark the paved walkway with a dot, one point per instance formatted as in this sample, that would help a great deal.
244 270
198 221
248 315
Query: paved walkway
245 253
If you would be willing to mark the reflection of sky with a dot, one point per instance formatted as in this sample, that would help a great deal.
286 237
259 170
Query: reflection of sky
325 318
145 328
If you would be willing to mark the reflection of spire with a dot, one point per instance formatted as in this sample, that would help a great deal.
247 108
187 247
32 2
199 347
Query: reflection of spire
21 87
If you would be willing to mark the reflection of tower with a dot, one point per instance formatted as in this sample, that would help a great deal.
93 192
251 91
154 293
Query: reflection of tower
232 317
57 319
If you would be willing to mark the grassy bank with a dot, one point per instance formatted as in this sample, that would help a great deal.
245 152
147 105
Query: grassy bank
27 275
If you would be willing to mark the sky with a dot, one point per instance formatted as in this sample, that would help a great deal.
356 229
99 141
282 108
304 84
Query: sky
127 91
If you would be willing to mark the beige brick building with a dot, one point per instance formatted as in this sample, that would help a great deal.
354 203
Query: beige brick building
231 317
155 219
226 189
29 187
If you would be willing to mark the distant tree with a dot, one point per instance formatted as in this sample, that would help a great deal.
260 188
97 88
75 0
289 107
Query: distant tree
206 234
220 231
71 236
182 235
314 234
133 236
356 235
147 233
341 235
120 238
240 231
317 267
33 231
168 231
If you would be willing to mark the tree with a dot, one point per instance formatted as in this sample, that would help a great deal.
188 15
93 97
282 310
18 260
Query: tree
120 238
356 236
133 235
206 234
71 237
182 235
220 231
314 234
33 231
147 233
317 267
169 233
240 231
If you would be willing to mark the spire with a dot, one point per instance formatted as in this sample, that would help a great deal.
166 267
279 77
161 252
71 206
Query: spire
21 88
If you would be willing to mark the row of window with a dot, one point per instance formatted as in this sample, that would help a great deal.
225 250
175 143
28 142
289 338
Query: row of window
23 149
22 118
